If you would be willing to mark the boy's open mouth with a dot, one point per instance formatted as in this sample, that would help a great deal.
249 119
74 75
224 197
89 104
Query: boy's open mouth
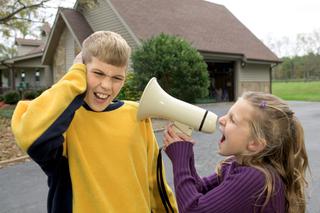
101 96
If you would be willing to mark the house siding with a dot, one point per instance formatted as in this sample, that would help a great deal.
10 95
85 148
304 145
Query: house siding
24 50
70 49
35 62
255 72
30 67
254 77
102 17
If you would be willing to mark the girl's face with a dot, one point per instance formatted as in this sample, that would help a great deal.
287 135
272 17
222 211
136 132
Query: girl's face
104 82
235 128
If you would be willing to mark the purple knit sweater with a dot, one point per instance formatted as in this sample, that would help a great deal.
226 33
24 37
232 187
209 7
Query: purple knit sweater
236 190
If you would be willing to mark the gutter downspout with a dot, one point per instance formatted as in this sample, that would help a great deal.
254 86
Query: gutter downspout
270 73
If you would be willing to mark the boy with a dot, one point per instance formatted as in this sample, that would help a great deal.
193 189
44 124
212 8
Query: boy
97 156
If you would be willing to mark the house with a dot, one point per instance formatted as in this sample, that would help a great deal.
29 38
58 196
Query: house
25 70
237 60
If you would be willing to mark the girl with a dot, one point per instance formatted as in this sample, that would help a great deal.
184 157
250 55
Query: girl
265 168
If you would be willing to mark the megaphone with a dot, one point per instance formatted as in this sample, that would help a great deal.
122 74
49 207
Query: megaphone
155 102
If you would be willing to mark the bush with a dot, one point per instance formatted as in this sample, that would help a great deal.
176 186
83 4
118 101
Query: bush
130 91
30 95
1 98
178 67
11 97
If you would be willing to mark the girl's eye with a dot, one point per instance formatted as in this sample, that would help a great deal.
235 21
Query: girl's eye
231 119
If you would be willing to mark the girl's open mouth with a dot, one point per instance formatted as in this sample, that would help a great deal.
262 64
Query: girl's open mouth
223 138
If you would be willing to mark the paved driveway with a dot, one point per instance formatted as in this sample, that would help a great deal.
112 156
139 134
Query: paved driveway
23 186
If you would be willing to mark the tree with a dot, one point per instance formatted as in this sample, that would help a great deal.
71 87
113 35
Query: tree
178 67
18 15
22 18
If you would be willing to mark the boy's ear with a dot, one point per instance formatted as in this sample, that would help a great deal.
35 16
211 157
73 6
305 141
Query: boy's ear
256 146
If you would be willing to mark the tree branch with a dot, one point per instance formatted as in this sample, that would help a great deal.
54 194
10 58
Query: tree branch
5 19
25 19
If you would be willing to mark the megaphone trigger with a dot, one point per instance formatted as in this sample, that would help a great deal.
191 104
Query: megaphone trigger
180 127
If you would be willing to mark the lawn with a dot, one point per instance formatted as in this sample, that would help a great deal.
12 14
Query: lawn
299 91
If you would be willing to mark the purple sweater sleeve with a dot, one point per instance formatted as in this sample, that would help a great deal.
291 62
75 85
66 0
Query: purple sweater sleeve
238 191
203 184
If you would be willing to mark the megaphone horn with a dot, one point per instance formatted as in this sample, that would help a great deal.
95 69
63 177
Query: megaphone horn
155 102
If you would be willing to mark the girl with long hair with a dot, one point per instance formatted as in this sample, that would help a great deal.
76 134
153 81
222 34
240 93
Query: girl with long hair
265 166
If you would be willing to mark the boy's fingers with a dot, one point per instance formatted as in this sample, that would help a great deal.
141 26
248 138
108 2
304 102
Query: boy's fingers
78 59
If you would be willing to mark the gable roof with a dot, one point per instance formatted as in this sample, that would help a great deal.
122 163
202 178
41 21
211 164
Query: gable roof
37 44
75 22
208 26
28 42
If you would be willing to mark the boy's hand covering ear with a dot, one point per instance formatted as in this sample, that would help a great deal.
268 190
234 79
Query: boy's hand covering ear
78 59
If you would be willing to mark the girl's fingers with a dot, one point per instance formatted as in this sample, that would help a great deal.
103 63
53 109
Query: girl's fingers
170 136
185 137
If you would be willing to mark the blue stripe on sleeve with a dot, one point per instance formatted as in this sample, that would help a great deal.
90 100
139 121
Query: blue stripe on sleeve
47 145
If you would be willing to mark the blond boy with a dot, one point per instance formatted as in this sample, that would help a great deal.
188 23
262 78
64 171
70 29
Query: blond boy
97 156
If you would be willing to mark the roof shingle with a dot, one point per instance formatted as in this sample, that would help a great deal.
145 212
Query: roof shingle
208 26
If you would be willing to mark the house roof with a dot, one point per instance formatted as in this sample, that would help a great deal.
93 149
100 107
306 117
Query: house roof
34 52
28 42
75 22
208 26
39 49
29 56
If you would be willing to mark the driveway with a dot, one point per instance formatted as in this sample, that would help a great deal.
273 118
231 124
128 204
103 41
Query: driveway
23 187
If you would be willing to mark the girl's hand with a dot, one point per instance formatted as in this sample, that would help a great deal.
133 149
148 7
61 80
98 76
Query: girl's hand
170 136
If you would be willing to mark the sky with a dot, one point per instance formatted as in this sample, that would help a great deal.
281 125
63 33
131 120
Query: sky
276 18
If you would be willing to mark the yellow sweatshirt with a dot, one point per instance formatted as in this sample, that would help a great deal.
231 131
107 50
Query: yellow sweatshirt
95 161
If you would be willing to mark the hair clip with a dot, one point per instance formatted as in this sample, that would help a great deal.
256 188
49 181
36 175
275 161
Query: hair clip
263 104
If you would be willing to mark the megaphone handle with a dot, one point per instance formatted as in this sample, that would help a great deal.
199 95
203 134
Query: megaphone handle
180 127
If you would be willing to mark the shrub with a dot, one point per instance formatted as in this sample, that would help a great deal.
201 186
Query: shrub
30 95
130 91
11 97
1 98
178 67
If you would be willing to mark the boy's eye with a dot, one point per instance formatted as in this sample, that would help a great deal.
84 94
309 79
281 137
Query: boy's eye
98 73
118 78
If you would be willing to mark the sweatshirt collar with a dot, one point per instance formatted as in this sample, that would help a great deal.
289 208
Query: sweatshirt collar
115 104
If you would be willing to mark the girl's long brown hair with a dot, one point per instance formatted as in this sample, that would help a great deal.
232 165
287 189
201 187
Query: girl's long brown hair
284 155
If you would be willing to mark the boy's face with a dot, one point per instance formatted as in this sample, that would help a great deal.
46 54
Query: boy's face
104 82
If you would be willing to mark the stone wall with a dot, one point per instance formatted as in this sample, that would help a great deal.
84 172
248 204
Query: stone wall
59 59
260 86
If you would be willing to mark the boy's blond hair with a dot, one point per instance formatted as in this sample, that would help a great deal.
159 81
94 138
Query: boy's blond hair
108 47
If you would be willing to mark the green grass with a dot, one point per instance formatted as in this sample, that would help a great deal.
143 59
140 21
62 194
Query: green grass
299 91
6 112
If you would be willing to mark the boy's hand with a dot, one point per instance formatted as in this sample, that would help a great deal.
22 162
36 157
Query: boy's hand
78 59
170 136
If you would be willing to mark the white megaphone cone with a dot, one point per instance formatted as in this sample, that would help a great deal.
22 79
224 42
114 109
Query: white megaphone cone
155 102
